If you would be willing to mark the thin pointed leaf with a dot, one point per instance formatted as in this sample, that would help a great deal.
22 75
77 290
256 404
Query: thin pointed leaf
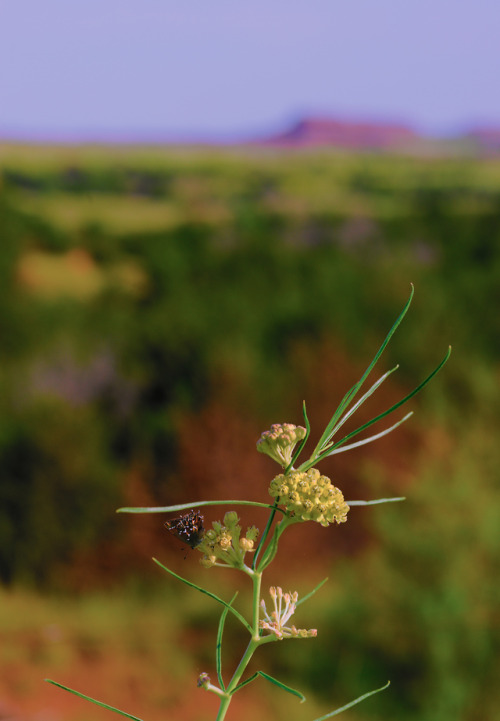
283 686
218 647
195 504
265 534
245 682
354 390
353 703
272 547
274 681
271 550
381 415
304 440
207 593
359 403
94 701
333 420
376 502
311 593
341 449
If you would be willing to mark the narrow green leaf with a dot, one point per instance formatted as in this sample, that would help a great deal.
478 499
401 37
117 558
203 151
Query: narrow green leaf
272 547
265 534
275 681
311 593
385 413
333 420
93 700
357 405
207 593
218 647
245 682
196 504
282 685
303 441
376 502
353 703
270 551
341 449
349 396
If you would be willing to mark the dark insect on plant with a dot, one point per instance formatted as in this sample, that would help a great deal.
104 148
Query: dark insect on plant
188 528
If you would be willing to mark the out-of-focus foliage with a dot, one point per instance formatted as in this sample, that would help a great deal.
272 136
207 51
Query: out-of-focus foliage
422 604
138 285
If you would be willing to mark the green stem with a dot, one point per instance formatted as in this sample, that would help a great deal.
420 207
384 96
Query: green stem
245 659
253 644
256 639
257 580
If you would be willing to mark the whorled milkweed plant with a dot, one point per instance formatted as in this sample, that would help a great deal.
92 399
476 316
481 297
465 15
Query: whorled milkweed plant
300 494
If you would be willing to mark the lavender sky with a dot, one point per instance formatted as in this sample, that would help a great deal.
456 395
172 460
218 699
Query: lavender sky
234 68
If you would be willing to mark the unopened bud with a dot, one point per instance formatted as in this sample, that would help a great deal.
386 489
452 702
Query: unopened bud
203 680
252 533
231 519
246 544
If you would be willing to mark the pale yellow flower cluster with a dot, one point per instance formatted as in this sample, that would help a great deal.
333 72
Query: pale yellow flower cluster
222 544
310 496
279 442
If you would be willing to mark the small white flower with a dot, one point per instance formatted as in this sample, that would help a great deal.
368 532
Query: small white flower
284 608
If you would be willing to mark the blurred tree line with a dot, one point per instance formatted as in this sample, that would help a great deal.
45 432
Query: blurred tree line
110 338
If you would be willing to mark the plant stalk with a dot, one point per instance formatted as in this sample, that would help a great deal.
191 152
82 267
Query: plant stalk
254 642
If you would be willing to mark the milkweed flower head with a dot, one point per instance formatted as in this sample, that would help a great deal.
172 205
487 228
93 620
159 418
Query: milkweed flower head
280 441
275 622
223 545
310 497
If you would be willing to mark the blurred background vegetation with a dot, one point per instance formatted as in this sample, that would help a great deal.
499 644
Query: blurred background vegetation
159 308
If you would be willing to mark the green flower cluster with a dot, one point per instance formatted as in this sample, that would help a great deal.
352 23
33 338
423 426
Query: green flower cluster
221 545
279 442
310 496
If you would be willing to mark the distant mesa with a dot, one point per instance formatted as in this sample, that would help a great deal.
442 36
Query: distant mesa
317 131
310 132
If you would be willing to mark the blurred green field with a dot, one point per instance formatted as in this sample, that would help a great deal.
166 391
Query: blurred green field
159 308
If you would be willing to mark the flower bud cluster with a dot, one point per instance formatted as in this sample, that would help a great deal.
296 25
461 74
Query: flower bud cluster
279 442
310 496
222 544
284 607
